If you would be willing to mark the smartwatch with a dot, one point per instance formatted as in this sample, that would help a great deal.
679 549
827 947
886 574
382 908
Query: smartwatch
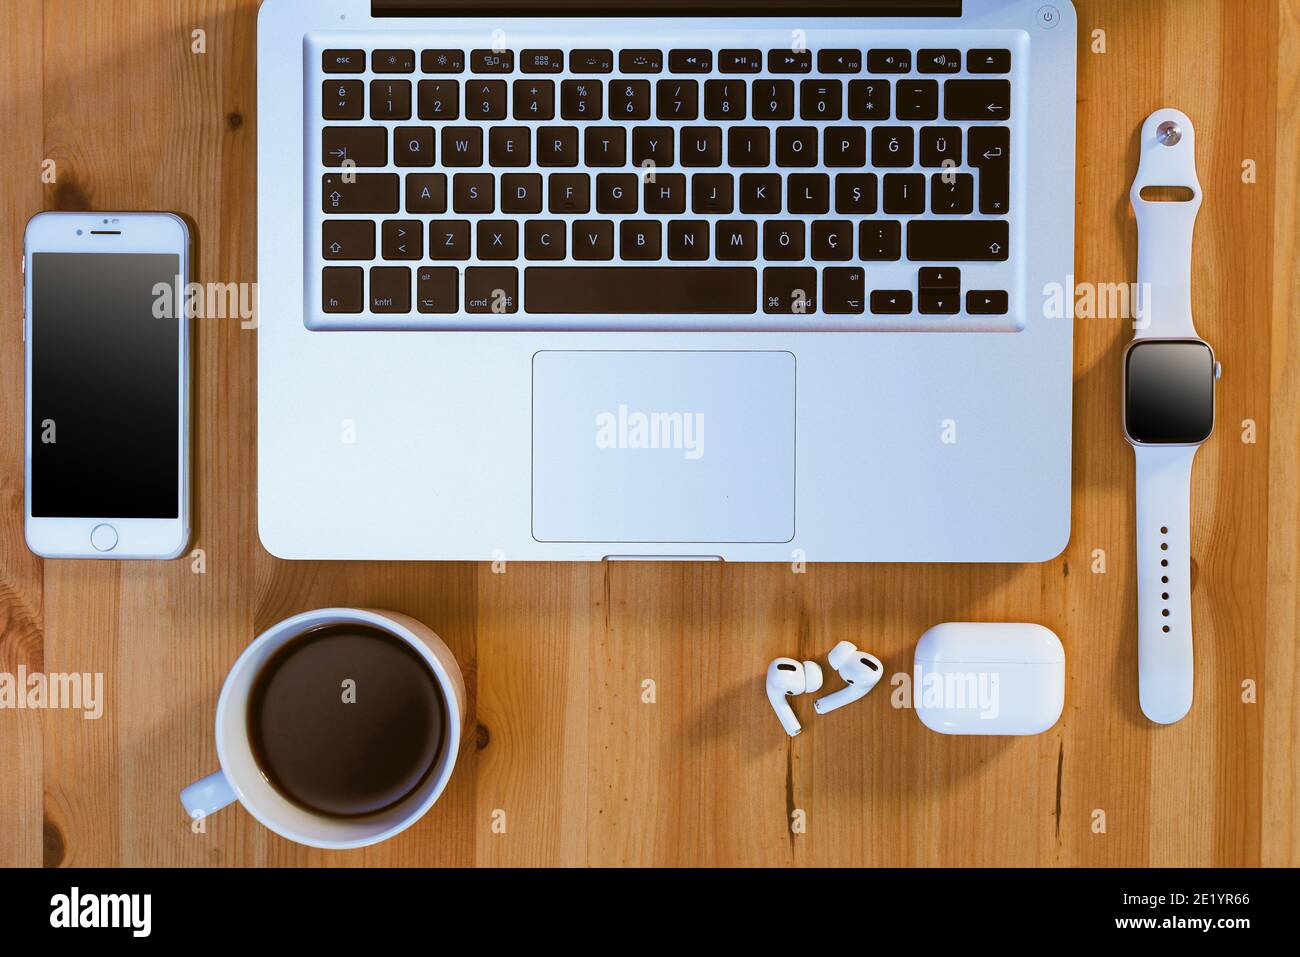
1169 381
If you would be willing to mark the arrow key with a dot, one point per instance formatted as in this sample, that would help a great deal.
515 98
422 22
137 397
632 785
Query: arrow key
891 302
348 239
403 239
986 302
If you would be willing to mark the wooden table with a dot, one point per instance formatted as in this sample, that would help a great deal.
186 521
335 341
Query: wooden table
555 656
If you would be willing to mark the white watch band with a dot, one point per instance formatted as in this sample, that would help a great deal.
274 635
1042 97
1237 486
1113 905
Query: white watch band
1164 472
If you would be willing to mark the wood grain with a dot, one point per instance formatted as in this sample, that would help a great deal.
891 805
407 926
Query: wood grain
561 659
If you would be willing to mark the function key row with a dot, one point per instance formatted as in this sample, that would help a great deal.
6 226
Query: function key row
884 61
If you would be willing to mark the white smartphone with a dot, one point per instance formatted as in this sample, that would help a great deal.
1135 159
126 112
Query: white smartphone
108 385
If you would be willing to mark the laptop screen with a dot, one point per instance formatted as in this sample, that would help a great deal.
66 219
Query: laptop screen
653 8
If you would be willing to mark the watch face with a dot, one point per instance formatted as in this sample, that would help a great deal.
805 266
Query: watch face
1169 392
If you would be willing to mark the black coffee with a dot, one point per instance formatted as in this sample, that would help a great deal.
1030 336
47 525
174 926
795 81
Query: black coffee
346 720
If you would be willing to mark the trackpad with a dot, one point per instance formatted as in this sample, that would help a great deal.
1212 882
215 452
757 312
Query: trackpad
663 446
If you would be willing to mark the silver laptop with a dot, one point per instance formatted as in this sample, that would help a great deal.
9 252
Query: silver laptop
585 280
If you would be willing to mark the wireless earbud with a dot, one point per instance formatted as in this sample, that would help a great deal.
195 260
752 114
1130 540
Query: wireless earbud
785 676
861 672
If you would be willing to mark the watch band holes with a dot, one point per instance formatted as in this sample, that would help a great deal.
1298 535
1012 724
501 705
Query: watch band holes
1165 629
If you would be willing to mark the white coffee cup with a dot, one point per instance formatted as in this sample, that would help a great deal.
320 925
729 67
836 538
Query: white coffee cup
240 779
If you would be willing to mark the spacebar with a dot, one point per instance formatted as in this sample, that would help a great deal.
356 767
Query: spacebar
641 290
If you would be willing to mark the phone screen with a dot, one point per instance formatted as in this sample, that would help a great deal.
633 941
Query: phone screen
105 385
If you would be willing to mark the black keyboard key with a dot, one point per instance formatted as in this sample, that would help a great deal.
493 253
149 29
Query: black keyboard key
413 146
640 240
616 192
952 194
485 100
652 145
343 100
591 61
629 99
774 99
348 239
987 100
437 289
796 146
760 193
783 239
990 153
892 147
940 146
990 302
789 61
392 61
473 193
688 239
403 239
891 302
712 193
740 61
491 290
342 289
677 99
557 146
449 239
343 61
462 146
640 61
390 99
904 194
789 291
880 240
832 240
665 193
605 146
839 61
439 99
701 146
690 61
749 146
426 193
640 290
939 302
988 61
957 240
540 61
534 99
724 99
869 99
521 193
498 239
568 193
510 146
938 277
889 61
359 145
844 146
544 239
359 193
808 193
917 99
821 99
593 240
581 99
938 61
856 193
442 61
390 290
737 240
492 61
844 291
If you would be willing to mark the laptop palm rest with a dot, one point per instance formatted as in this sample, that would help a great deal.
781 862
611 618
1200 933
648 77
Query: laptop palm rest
672 447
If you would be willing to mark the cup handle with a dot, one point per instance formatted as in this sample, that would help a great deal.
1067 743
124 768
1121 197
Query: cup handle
208 795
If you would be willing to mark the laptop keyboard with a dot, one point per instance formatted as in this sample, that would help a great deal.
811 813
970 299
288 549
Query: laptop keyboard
861 186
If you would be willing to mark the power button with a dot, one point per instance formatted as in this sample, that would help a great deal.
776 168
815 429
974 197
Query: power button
1048 17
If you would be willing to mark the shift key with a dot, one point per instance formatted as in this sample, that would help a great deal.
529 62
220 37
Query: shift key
957 240
369 193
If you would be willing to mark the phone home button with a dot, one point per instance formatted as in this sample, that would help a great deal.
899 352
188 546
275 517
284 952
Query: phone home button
104 538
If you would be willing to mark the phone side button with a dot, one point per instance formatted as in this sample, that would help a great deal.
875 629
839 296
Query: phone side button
104 538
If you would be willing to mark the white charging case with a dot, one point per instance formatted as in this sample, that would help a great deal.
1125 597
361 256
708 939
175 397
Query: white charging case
988 678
